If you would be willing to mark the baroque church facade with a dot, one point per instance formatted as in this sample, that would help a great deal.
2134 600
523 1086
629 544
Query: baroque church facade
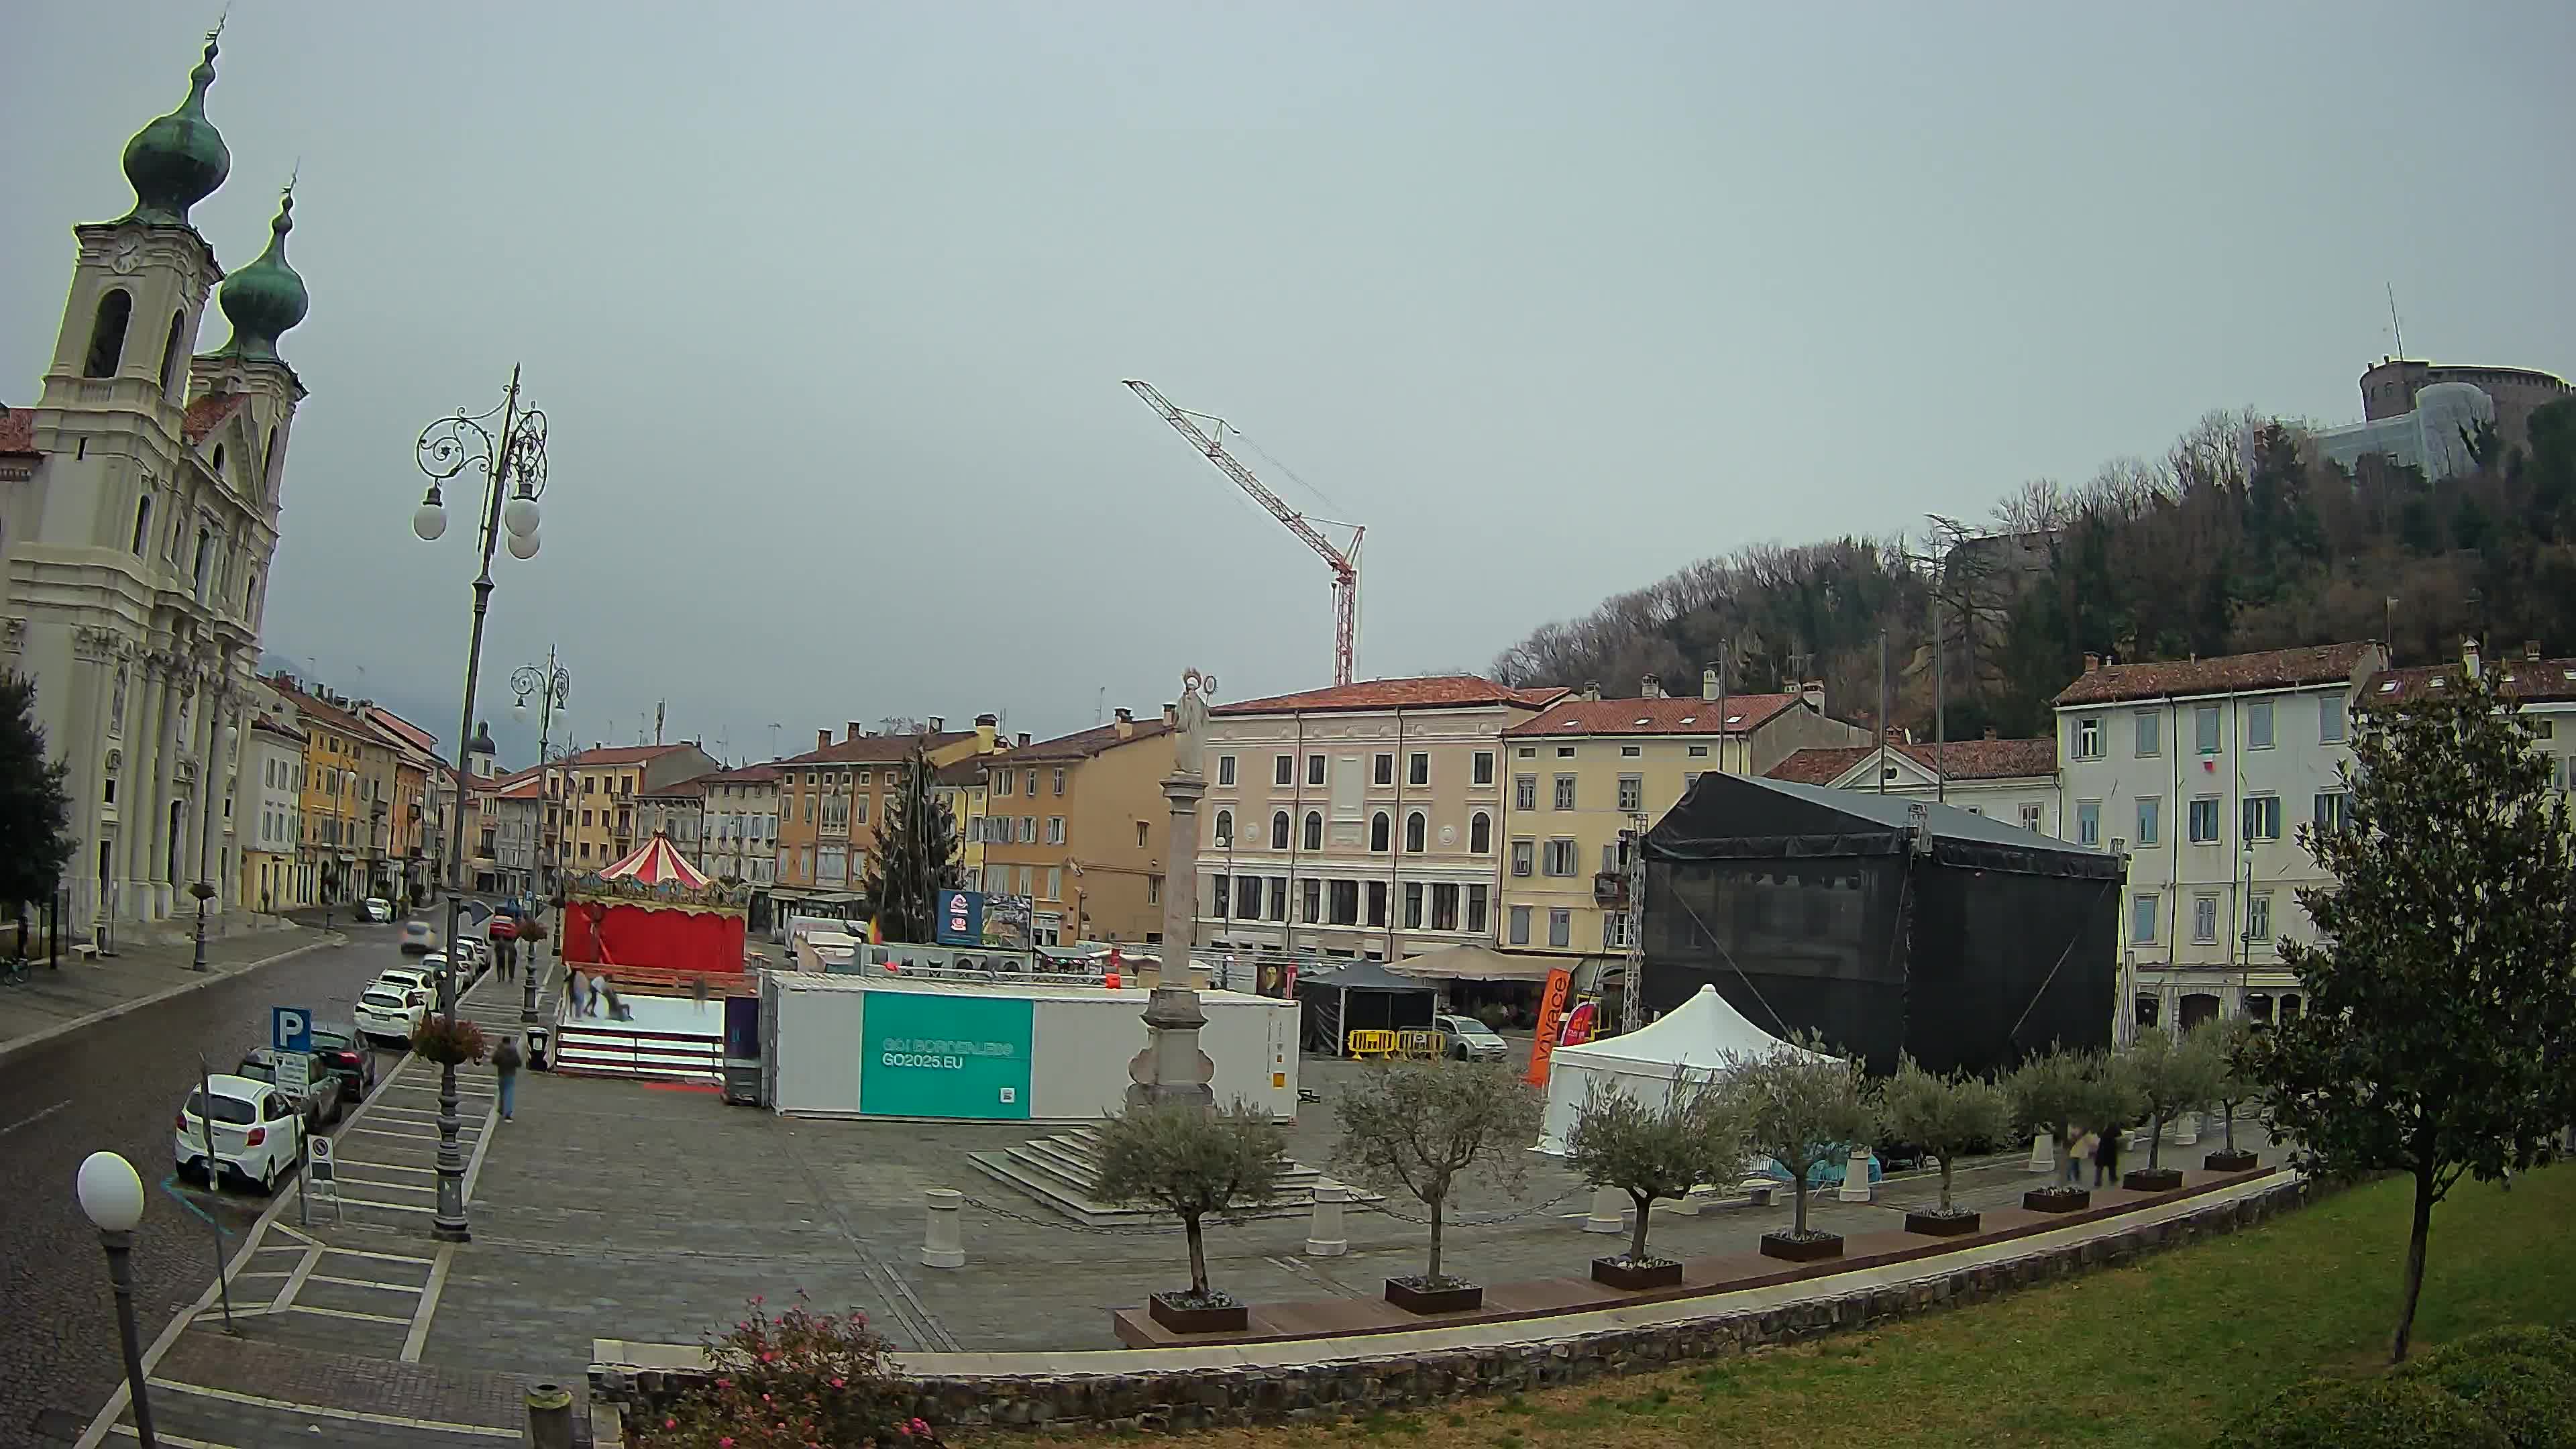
139 503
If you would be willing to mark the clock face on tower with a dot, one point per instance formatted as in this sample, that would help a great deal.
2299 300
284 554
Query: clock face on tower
129 251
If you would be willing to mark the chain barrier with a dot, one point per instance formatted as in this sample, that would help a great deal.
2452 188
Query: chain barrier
1166 1230
1071 1227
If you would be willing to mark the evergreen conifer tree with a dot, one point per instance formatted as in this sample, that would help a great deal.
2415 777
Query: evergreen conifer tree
35 813
915 857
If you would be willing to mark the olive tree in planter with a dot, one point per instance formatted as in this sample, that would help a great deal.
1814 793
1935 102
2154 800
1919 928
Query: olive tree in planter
1421 1126
1801 1107
2051 1092
2230 1041
1194 1164
1652 1153
2171 1075
1945 1116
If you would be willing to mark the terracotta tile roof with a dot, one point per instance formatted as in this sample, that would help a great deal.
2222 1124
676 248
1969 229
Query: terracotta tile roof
330 715
747 775
1959 759
695 785
1083 744
2538 680
620 755
2227 674
17 430
524 787
1692 716
1439 691
209 412
278 727
973 770
876 749
402 730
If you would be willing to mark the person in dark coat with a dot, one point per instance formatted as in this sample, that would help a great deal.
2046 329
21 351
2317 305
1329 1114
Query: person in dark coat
2106 1156
506 1062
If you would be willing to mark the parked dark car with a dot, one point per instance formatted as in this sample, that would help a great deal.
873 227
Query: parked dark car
352 1060
323 1103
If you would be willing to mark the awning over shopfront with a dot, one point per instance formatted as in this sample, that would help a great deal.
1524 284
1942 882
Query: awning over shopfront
1480 963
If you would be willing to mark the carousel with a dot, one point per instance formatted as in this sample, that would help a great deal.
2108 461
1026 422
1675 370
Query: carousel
654 984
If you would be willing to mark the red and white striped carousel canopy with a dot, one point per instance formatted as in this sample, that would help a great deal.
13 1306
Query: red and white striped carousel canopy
657 862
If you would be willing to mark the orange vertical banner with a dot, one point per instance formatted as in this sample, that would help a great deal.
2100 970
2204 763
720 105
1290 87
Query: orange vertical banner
1551 1016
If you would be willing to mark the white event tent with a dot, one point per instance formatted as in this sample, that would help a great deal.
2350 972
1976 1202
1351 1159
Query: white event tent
1689 1043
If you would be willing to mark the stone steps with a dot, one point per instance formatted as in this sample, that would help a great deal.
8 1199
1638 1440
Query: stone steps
1063 1173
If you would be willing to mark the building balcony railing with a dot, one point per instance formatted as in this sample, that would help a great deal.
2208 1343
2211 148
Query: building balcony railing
1610 888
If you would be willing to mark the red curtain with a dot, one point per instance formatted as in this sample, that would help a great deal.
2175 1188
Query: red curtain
615 934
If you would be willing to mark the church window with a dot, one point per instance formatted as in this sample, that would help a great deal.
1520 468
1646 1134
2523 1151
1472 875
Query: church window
142 523
219 461
107 334
170 352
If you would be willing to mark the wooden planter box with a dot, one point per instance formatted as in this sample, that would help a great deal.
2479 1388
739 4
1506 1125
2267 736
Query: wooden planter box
1230 1318
1662 1273
2231 1162
1456 1298
1934 1225
2051 1200
2152 1179
1794 1250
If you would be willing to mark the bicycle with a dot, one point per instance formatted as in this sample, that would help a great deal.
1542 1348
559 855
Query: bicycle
14 970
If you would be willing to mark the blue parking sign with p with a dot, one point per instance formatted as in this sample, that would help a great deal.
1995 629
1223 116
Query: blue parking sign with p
290 1028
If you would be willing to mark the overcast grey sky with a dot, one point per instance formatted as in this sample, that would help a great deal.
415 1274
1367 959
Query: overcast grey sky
829 303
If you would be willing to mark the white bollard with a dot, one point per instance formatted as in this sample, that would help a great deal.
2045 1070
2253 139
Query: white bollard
1609 1211
1324 1235
2186 1129
1855 1186
2043 1157
941 1245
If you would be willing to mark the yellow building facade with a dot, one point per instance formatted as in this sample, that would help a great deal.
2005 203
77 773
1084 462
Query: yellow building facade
1583 772
1078 825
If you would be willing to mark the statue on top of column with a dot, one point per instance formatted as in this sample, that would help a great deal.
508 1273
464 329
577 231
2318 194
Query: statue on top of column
1190 717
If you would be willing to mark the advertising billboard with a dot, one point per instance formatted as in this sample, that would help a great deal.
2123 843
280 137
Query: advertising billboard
930 1054
961 918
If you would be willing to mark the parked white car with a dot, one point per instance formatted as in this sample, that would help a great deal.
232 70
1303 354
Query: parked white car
258 1132
1472 1040
379 909
389 1012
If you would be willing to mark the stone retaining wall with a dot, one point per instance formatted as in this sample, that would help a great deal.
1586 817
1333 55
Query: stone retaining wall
1201 1398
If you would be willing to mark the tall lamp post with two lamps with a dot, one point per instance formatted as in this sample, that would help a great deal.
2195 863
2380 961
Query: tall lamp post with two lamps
514 477
552 685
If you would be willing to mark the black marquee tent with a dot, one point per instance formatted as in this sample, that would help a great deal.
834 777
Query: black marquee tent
1360 996
1884 923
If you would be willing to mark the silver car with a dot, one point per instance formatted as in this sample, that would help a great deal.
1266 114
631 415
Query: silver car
1471 1040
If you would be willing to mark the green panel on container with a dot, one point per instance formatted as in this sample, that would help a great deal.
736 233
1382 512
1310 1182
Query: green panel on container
931 1054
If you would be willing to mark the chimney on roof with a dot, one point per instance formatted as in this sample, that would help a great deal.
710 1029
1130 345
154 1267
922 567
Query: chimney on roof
988 729
1592 690
939 724
2531 650
1708 684
853 731
1650 688
2092 663
1813 692
2469 654
1171 716
1126 725
822 739
1022 739
1990 732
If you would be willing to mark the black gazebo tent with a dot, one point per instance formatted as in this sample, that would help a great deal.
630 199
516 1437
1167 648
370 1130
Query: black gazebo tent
1361 996
1885 923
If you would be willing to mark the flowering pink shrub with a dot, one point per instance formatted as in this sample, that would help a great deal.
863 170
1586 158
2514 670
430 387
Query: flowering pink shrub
796 1380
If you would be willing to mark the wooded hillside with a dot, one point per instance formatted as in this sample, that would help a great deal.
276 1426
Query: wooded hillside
2236 539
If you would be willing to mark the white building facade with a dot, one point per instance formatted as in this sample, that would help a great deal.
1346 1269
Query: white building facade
269 818
2014 781
139 520
742 825
2203 772
1344 822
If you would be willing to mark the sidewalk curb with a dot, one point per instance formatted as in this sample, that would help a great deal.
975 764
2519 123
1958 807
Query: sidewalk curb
63 1029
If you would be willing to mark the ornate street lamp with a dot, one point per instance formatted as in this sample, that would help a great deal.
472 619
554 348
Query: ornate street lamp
514 478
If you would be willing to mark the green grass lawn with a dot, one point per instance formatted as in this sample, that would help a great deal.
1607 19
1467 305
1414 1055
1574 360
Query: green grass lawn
2162 1352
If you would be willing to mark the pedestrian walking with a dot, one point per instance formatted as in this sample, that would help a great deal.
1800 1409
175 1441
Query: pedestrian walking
2076 1151
2106 1156
505 1062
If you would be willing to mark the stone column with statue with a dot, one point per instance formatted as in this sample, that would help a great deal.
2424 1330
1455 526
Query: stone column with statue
1172 1068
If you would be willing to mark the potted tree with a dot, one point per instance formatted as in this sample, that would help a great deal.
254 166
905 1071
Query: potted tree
1801 1107
2230 1041
2170 1075
1419 1126
1651 1153
1945 1116
2051 1092
1193 1164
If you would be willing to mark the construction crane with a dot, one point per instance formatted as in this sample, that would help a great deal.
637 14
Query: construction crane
1345 562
